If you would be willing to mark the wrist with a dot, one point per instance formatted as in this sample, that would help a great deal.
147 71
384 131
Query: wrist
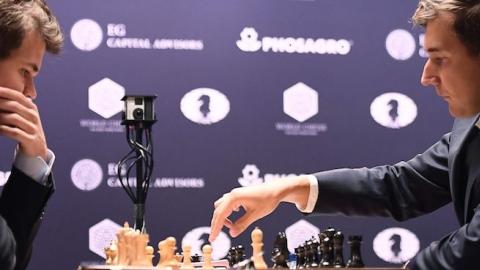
295 190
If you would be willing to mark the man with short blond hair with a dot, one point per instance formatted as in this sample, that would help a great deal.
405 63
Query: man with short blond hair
27 30
449 171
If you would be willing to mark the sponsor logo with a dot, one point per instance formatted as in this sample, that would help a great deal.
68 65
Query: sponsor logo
396 245
393 110
251 176
101 235
298 232
86 174
251 42
158 182
421 41
86 35
205 106
300 102
400 44
104 98
4 177
198 237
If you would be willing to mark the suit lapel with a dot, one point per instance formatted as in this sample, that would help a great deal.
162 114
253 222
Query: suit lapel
460 197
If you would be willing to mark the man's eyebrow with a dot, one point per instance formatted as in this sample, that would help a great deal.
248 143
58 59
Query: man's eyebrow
433 50
34 67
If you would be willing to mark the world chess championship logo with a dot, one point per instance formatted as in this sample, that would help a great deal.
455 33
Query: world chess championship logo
396 245
101 235
205 106
86 174
251 176
249 40
86 35
393 110
400 44
300 102
198 238
104 98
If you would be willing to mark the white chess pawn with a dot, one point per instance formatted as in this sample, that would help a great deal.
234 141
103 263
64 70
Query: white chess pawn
171 261
147 259
162 247
257 245
122 258
140 243
187 261
207 257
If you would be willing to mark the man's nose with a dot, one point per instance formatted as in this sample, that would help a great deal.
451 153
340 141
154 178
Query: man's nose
428 76
30 90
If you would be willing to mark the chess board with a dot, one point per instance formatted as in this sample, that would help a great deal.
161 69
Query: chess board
116 267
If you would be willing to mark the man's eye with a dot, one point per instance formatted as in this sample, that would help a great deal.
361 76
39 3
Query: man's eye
24 72
439 60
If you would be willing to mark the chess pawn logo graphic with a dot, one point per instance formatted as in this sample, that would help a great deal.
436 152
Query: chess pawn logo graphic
257 245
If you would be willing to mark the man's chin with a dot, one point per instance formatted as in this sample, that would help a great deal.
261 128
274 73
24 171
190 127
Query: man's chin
462 114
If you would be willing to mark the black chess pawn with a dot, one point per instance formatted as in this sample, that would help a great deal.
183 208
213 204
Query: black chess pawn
300 251
231 256
310 255
326 261
354 241
315 247
338 250
330 232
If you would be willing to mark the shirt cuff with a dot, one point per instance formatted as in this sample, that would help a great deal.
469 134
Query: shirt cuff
35 167
312 196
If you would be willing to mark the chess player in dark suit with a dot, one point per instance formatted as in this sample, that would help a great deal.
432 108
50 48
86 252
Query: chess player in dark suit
27 30
449 171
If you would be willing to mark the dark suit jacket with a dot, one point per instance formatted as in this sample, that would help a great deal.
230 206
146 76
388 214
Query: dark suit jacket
21 210
412 188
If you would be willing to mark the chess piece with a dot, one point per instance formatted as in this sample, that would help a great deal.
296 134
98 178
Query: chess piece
330 232
311 253
162 252
231 256
325 250
111 253
354 241
278 259
147 257
280 251
187 260
338 250
299 251
240 254
140 242
122 256
178 257
171 246
207 257
257 245
315 247
130 246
